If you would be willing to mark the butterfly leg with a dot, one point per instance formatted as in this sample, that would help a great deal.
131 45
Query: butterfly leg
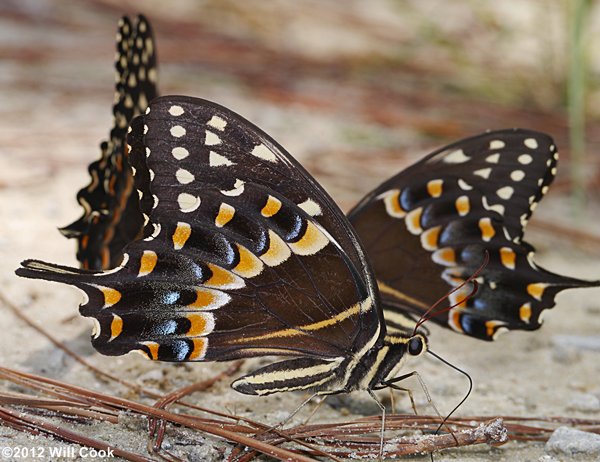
317 407
382 407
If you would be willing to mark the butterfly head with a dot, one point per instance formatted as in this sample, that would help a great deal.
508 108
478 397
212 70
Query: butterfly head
413 345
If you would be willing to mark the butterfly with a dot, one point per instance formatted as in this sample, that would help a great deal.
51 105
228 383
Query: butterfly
425 231
243 254
111 217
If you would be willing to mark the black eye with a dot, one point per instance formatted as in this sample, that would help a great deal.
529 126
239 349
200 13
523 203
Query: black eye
415 346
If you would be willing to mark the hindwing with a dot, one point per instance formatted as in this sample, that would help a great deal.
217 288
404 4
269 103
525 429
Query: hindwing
111 216
426 231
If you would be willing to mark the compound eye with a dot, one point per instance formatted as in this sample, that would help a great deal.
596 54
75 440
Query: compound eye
415 346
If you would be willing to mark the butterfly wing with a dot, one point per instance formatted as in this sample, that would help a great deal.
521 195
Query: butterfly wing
243 252
111 216
426 230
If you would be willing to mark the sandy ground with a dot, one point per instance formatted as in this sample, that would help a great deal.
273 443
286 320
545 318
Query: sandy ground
56 92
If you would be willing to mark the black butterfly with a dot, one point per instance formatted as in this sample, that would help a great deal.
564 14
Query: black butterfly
243 254
111 217
425 230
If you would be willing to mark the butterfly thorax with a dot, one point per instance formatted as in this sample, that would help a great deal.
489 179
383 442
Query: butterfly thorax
382 362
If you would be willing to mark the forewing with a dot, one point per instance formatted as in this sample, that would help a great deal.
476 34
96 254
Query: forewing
426 230
243 252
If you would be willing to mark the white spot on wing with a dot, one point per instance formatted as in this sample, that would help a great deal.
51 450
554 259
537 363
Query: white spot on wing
493 159
212 139
187 202
180 153
238 188
177 131
175 110
262 152
525 159
531 143
517 175
456 157
498 208
311 207
184 176
497 144
217 122
155 232
217 160
464 185
483 173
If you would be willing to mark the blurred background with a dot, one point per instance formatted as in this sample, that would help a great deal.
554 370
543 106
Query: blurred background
356 91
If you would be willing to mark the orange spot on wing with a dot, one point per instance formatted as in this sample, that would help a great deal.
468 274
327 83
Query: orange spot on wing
525 312
181 235
111 296
413 221
200 345
147 262
116 326
490 328
272 206
278 251
197 325
445 256
204 298
311 242
153 350
463 205
487 230
249 265
391 200
226 213
222 278
508 257
434 188
536 290
429 238
454 320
